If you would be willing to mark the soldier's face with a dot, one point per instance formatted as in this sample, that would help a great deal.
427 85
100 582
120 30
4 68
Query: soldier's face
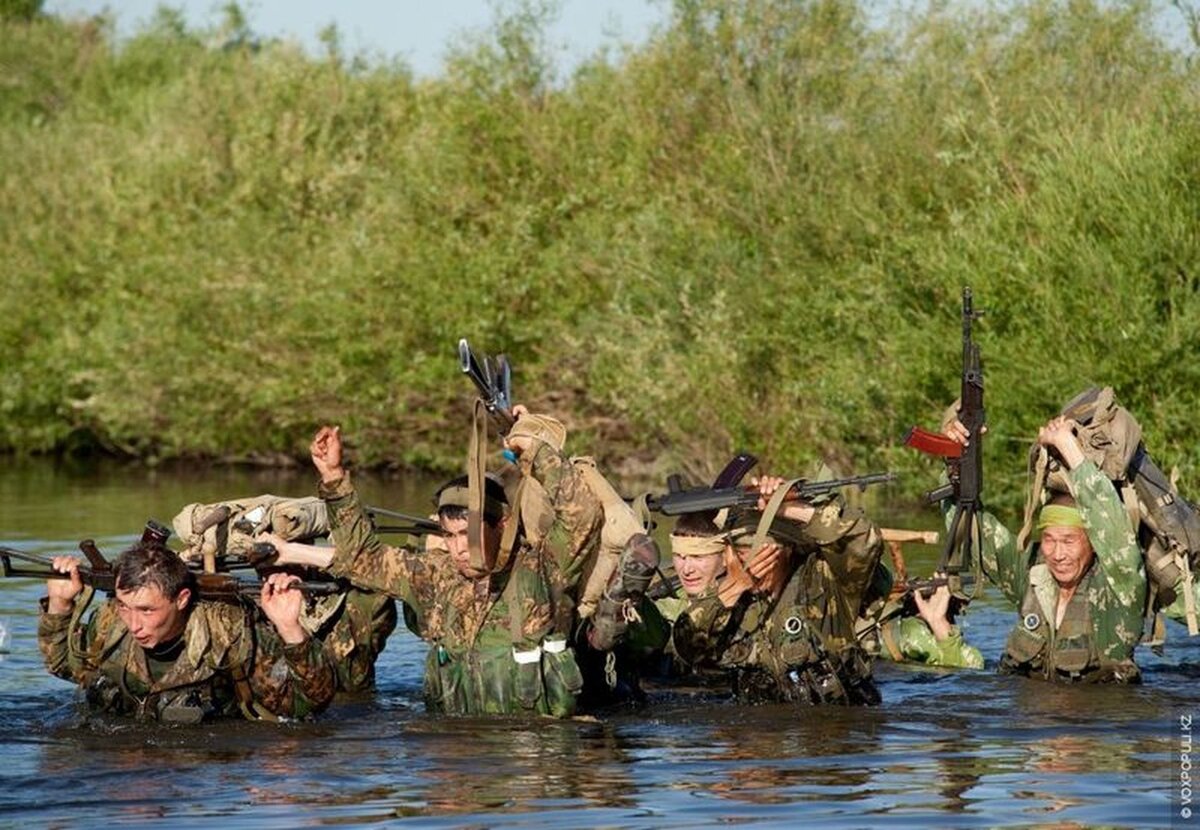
455 534
152 617
1068 554
697 573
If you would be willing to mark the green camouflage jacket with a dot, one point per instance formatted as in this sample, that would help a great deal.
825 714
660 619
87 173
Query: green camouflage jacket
802 646
353 628
1103 621
496 644
230 665
909 639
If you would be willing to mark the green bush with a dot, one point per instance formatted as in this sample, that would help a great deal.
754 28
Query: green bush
753 231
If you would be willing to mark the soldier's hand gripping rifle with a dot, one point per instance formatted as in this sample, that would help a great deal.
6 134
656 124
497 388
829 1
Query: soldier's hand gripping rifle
679 501
964 465
493 378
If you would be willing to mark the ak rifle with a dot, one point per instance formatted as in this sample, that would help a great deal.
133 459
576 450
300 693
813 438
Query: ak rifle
99 574
679 501
964 465
493 378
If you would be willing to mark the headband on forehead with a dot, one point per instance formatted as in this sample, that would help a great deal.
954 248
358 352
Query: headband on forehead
459 496
697 545
1059 515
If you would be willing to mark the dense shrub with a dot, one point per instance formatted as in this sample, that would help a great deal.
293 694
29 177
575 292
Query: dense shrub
752 231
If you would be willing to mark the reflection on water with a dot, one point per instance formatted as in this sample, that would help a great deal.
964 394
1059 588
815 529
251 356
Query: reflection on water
948 749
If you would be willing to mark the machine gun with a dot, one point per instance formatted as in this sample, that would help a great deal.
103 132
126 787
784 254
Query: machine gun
493 378
964 465
679 501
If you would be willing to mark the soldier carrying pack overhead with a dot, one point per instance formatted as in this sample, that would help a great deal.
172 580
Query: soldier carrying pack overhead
1166 524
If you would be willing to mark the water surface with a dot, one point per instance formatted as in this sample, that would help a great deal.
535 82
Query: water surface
947 749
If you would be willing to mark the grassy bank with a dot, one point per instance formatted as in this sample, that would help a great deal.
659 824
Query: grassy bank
751 232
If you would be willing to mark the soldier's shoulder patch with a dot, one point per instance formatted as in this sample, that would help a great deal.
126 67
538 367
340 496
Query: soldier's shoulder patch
1031 622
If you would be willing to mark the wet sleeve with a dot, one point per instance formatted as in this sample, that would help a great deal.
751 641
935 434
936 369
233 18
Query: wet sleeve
52 633
292 681
361 557
702 629
850 543
916 643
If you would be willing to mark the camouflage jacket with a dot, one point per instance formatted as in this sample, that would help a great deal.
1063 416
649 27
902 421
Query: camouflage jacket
353 628
496 646
229 665
802 645
563 518
1103 621
909 639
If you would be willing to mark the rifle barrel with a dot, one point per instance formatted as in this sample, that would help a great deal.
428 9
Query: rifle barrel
705 499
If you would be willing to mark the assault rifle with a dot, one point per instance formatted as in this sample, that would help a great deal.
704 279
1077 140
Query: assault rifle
927 585
493 379
99 574
964 465
679 501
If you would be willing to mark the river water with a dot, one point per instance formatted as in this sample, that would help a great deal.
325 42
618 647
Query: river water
946 749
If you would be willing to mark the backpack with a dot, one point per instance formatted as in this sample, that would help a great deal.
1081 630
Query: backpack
1167 525
229 527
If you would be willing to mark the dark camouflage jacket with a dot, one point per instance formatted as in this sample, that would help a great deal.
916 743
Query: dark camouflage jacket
353 628
800 646
497 647
1103 620
231 665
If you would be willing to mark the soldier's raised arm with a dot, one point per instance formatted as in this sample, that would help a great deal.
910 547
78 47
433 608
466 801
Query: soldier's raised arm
359 555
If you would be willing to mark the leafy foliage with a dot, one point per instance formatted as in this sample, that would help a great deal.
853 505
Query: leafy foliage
752 232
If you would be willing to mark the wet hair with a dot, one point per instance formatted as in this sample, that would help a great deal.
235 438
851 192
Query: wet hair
148 564
494 500
696 524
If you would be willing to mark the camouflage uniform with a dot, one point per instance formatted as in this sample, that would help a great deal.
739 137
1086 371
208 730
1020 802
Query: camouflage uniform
891 629
908 639
800 647
499 645
353 628
1103 620
229 665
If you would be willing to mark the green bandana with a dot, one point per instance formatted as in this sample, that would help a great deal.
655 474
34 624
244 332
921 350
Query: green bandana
1059 515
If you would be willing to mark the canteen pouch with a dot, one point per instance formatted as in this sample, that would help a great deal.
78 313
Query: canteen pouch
562 678
527 677
443 680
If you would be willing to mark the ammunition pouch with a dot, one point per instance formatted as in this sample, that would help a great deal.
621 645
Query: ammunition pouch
542 680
